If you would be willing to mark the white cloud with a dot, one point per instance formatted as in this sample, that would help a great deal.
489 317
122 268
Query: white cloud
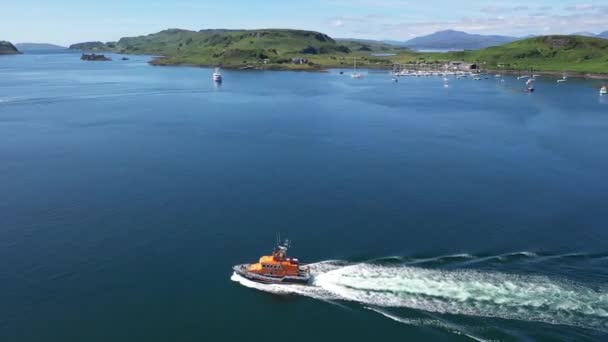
390 4
580 7
504 9
516 25
587 8
337 23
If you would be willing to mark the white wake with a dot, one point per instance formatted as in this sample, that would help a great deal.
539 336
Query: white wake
467 292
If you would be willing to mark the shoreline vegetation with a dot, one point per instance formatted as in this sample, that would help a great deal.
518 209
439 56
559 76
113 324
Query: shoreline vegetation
282 49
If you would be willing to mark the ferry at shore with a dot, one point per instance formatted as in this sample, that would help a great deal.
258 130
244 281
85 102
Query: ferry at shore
277 268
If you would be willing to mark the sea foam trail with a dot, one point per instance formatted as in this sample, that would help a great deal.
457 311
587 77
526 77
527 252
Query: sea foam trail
428 322
532 298
466 292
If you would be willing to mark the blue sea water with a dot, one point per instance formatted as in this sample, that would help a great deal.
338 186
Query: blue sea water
469 212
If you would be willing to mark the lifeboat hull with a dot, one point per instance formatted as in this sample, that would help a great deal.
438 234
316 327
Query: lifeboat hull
302 279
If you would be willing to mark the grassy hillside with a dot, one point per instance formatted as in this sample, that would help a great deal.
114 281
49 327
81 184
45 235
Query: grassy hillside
6 48
271 48
275 48
362 45
546 53
90 46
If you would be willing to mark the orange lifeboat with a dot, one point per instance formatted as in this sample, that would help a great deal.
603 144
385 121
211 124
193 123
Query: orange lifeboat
277 268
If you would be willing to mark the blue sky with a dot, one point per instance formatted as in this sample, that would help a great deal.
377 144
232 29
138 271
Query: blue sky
69 21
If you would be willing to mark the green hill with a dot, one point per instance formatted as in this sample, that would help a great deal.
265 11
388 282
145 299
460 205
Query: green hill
6 48
272 48
362 45
275 49
546 53
90 46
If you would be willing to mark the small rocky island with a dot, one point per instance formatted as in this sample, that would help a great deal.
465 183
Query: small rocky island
94 57
6 48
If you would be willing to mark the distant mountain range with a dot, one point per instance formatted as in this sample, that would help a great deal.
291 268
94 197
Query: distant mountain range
38 46
591 34
584 34
457 40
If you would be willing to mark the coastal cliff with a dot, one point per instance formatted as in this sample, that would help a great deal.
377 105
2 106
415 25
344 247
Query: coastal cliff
6 48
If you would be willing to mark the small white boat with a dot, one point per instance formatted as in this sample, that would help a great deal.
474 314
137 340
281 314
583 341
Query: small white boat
355 74
604 90
217 76
529 81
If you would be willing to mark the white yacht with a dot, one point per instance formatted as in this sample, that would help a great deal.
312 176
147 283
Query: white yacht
355 74
604 90
217 76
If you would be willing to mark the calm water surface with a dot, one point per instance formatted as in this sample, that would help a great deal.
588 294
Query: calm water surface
472 212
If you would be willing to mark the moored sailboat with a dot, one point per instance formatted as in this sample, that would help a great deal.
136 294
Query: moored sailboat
217 76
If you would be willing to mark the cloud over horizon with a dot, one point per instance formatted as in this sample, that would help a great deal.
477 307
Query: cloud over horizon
501 19
54 22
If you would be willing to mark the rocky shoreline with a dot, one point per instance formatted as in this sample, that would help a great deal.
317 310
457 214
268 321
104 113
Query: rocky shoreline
95 57
160 61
